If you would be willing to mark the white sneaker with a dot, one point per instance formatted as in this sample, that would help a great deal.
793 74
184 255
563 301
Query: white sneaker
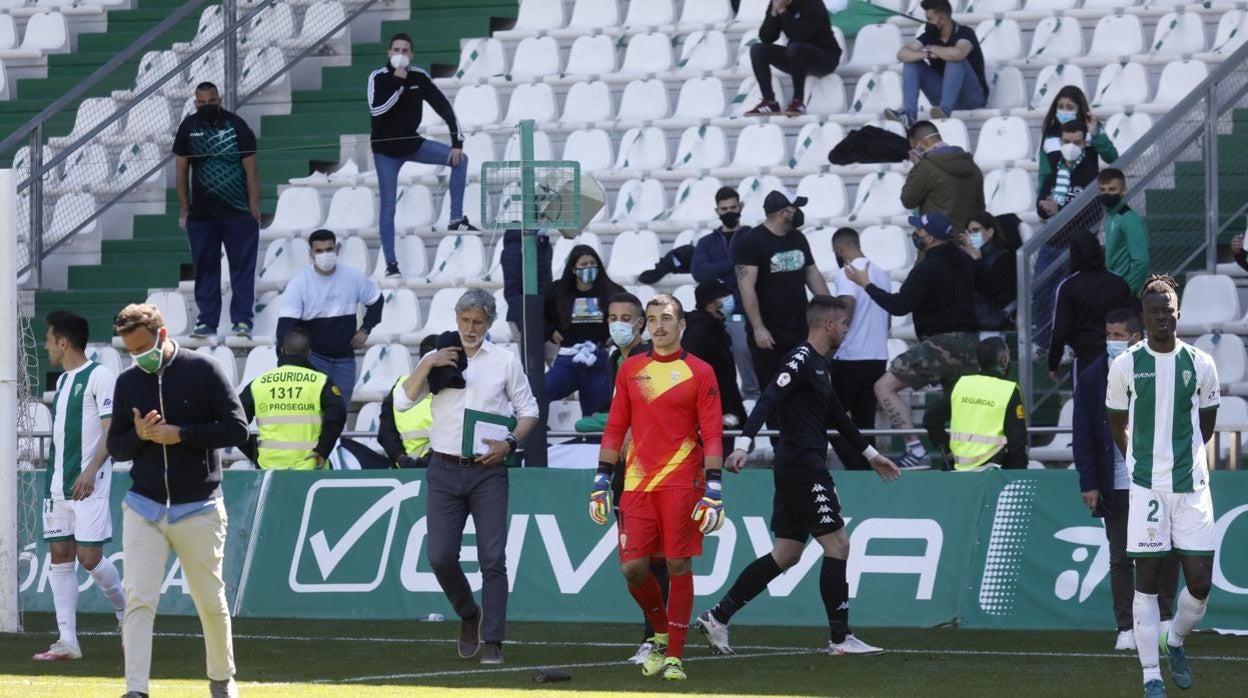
852 645
642 653
1126 641
716 633
59 651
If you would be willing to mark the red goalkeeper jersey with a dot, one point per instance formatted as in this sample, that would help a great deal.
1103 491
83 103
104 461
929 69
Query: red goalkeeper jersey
672 405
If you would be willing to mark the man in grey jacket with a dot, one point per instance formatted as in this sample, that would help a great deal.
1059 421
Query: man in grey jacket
945 177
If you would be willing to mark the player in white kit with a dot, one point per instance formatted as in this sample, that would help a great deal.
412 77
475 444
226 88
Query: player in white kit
76 517
1162 400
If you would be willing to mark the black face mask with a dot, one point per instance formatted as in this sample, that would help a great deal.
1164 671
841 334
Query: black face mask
730 220
1110 201
930 28
917 240
840 262
799 219
208 112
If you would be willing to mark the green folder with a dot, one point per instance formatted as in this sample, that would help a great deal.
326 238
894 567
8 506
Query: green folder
474 417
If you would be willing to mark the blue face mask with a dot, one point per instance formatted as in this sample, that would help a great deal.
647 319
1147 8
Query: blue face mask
1065 117
587 275
977 240
728 306
1116 347
622 333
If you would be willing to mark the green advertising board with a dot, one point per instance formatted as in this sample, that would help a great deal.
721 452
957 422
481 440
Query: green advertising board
988 550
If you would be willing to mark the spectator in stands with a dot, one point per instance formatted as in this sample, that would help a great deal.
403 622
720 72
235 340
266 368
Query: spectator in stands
712 259
404 436
774 268
1104 480
294 405
324 299
812 50
1126 235
862 358
512 262
462 483
986 419
397 92
706 338
1072 169
945 178
1083 300
940 292
1070 106
996 272
1238 252
576 320
219 205
945 62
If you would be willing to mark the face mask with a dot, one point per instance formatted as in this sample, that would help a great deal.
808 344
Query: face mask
622 333
799 219
1111 201
208 112
151 360
398 61
1071 151
1115 348
326 261
918 241
587 275
929 28
728 306
840 262
1065 117
977 240
730 220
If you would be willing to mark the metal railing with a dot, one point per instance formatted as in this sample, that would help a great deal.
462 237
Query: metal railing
1188 133
228 40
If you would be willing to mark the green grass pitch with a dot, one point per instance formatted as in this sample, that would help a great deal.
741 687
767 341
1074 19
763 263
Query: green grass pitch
343 658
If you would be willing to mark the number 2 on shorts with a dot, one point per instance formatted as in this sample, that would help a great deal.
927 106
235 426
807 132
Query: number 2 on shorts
1153 506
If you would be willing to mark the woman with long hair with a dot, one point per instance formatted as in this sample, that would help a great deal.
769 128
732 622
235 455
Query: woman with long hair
1069 105
995 272
576 320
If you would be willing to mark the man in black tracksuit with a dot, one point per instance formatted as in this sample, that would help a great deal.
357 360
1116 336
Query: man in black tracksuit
706 337
1083 300
171 410
812 50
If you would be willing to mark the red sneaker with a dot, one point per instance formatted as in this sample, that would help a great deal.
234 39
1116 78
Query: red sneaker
795 108
767 107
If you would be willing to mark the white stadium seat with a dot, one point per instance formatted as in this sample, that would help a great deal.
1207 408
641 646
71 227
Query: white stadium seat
1049 5
414 208
826 194
587 103
643 100
1000 39
46 32
699 99
108 357
539 15
269 26
1208 301
224 356
68 215
639 202
458 260
298 211
1117 36
1010 190
825 95
92 112
352 208
441 315
641 149
1056 38
879 196
1178 34
888 247
1228 355
646 14
701 148
134 160
1120 85
1002 139
320 16
353 252
151 119
259 360
696 13
283 258
990 6
536 57
591 148
83 167
1232 414
820 241
481 58
172 307
1125 129
1177 80
8 34
1059 448
381 367
153 66
633 252
476 106
953 132
1231 33
703 51
759 146
1006 88
753 191
1053 78
591 15
400 315
810 149
542 149
695 201
534 101
876 92
876 44
647 54
410 251
591 56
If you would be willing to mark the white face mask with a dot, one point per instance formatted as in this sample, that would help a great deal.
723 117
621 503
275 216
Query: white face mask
1115 347
398 61
326 261
1071 151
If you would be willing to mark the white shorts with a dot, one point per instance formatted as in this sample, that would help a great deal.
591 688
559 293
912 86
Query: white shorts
86 522
1158 522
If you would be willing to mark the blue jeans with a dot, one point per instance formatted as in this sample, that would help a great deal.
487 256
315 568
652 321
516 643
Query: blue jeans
959 88
429 153
340 370
240 234
565 377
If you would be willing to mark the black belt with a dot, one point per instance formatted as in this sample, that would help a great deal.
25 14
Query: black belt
455 460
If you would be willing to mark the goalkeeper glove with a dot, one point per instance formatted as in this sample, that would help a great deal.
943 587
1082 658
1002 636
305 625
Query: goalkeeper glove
709 512
600 496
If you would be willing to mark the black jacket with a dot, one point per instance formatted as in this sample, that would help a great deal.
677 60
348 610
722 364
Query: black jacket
1013 456
1083 300
996 286
1083 176
333 412
397 107
940 291
1091 442
706 338
191 392
805 22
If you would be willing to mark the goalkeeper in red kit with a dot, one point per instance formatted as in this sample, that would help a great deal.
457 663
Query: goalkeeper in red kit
672 487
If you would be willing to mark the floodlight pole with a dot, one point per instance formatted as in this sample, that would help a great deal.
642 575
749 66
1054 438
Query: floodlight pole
535 454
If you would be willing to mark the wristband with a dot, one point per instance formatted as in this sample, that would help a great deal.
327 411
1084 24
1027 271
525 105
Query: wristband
743 443
869 452
512 442
715 475
605 468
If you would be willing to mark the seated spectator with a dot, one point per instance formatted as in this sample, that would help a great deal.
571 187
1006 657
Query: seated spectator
712 259
1071 106
1072 169
404 436
576 320
945 62
706 338
982 423
1126 235
996 272
1237 251
940 292
945 178
812 50
1083 300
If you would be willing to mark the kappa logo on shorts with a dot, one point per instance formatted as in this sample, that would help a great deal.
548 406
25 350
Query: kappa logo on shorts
825 509
818 488
826 520
821 499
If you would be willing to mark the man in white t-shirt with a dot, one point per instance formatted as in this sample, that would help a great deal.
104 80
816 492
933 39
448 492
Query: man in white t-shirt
76 517
863 356
1162 400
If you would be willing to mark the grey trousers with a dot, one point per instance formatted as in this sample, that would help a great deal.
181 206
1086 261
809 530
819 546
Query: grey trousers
456 491
741 357
1122 568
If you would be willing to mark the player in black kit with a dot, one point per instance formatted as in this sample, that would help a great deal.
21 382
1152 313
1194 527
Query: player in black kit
801 398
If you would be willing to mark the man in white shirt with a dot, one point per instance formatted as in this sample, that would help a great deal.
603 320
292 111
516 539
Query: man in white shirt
462 483
863 356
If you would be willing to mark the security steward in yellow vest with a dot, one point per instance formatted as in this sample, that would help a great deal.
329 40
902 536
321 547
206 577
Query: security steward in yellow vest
404 436
298 409
987 420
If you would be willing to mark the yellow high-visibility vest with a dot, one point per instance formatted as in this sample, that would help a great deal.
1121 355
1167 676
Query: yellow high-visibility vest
977 423
288 412
413 425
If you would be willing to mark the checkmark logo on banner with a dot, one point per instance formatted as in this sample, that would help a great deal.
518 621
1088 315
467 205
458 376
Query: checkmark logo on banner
328 556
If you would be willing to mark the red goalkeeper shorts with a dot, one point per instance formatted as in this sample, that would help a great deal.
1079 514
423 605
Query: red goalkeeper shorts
658 524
